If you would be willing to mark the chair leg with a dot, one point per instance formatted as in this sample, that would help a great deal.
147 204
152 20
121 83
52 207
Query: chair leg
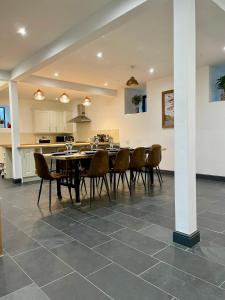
114 184
50 194
127 181
157 172
39 194
118 182
91 190
107 186
160 174
142 177
101 187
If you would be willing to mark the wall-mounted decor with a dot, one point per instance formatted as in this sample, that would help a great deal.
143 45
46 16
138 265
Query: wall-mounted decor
168 109
217 82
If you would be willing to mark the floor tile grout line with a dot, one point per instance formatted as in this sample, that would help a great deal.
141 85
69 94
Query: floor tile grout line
57 279
93 248
26 252
99 269
152 267
220 286
187 273
147 227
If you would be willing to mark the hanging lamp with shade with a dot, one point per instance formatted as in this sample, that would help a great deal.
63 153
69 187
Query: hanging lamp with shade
64 98
86 101
39 95
132 81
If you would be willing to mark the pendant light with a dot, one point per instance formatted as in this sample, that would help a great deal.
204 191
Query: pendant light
64 98
39 95
132 81
86 101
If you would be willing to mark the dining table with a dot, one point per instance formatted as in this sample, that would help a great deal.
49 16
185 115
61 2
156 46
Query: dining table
73 160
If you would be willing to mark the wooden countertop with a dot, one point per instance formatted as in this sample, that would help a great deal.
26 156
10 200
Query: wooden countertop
49 145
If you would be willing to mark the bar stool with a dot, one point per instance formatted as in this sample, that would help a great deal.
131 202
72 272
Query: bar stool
99 167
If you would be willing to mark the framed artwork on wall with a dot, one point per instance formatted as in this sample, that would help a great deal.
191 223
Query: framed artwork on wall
168 109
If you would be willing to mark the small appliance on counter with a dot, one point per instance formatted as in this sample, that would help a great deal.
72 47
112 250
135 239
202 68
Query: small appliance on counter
103 137
63 138
44 140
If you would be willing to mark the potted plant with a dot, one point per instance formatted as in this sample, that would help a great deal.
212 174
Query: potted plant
221 86
136 99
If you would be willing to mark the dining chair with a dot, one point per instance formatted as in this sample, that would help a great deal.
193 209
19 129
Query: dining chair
153 160
99 168
137 163
44 173
120 165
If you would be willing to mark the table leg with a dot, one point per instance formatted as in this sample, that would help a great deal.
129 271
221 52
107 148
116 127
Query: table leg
59 195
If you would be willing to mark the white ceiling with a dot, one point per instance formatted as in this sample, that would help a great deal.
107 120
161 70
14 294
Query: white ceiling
144 41
45 21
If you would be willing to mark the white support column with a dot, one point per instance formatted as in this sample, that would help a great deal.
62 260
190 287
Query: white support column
185 96
15 132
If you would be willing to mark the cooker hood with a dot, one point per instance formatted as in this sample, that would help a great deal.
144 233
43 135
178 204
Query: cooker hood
81 118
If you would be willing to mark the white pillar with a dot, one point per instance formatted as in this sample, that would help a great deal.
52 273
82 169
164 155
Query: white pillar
184 119
15 132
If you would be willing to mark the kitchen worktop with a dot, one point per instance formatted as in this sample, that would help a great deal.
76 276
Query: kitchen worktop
48 145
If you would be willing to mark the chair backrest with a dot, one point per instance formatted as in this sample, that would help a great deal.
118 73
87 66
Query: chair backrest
121 163
99 164
137 160
154 156
41 166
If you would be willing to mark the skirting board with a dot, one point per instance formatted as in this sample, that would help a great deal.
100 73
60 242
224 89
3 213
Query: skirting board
199 176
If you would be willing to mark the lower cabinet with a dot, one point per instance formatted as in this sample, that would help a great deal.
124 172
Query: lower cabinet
28 164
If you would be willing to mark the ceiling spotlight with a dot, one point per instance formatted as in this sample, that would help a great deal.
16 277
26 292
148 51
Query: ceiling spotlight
106 84
99 54
86 101
151 70
64 98
22 31
39 95
224 48
56 74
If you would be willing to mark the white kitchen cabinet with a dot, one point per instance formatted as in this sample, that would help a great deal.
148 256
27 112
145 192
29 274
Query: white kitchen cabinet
42 121
28 164
52 122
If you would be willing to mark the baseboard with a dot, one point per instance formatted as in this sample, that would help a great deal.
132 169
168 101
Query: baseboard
186 239
199 176
17 180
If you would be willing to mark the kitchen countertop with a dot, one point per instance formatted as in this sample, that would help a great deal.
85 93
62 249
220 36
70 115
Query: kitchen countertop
49 145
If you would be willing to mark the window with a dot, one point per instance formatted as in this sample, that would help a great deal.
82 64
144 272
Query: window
5 117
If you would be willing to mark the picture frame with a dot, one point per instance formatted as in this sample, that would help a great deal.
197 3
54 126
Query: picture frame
168 109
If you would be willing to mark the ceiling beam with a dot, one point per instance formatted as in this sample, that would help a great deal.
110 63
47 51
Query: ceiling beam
4 75
220 3
105 19
55 83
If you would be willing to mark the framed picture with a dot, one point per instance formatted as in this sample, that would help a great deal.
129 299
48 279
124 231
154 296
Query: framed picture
168 109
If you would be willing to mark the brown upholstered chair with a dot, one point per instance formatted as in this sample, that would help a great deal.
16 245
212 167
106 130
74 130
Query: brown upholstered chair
44 173
99 167
137 163
153 160
119 166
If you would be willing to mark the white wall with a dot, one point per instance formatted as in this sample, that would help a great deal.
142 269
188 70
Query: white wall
146 128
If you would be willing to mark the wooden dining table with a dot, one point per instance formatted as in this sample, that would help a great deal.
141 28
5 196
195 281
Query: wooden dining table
73 161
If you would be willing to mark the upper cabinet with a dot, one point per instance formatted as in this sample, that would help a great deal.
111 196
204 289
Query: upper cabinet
52 121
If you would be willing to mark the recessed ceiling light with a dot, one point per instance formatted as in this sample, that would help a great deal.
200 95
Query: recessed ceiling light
106 84
99 54
56 74
151 70
22 31
224 48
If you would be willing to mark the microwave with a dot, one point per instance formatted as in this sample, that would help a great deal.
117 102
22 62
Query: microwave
62 138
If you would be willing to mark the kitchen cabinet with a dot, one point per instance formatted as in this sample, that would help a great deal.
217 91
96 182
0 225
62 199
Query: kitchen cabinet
28 163
52 122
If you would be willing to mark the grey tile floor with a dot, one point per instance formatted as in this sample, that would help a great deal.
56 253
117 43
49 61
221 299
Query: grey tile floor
117 250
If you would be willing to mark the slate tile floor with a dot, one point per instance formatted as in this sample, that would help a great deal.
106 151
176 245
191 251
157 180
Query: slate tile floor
118 250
